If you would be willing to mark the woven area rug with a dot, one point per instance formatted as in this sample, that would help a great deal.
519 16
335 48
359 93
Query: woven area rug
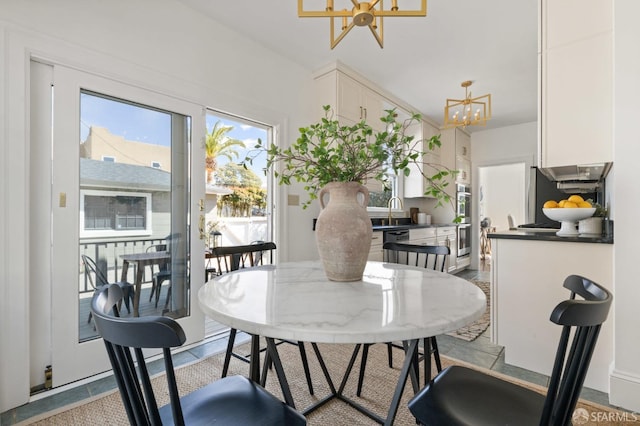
379 385
476 328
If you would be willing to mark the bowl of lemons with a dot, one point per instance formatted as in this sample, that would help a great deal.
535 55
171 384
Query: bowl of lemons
568 212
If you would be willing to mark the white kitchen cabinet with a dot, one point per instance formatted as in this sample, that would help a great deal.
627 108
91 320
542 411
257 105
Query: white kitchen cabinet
351 100
463 166
526 284
423 236
463 145
416 184
376 252
356 102
446 236
576 42
456 155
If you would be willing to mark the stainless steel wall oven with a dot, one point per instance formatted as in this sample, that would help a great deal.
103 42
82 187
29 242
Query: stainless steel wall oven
463 202
463 209
464 240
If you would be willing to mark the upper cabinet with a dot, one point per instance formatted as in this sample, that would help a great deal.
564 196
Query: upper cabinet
416 184
576 57
456 153
356 102
354 99
351 100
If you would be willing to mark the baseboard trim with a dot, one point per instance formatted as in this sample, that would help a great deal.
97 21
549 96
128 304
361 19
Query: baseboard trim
624 389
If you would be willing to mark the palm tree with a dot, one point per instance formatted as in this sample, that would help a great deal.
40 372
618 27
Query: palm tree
217 144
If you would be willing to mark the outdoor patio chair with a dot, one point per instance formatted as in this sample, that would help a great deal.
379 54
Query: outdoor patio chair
164 274
98 279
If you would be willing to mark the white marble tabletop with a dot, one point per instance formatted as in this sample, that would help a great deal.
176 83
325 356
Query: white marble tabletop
296 301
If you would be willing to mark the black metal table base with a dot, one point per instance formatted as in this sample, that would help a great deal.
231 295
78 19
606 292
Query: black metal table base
408 370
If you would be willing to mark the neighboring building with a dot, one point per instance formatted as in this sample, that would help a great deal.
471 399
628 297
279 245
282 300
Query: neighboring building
103 146
124 187
123 201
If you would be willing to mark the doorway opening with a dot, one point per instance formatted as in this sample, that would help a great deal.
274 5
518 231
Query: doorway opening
502 193
238 201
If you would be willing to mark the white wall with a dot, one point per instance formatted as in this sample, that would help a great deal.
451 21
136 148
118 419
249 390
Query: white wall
502 192
625 376
157 45
498 147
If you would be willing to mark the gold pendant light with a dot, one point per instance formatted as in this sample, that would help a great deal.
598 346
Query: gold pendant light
468 111
362 14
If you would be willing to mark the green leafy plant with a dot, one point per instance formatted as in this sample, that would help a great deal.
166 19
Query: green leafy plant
600 210
329 151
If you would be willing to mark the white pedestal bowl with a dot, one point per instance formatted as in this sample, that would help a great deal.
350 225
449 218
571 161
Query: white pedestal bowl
569 219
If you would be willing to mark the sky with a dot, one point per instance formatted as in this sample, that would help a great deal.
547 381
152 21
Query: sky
146 125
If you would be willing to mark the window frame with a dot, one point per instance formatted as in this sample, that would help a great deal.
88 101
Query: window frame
85 233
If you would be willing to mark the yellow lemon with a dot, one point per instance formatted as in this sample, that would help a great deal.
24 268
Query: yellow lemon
585 205
550 204
570 205
561 203
576 199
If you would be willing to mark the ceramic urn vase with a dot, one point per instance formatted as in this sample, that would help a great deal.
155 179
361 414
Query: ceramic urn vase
343 230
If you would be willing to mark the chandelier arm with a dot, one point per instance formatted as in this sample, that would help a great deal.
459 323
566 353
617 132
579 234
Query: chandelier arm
344 32
377 36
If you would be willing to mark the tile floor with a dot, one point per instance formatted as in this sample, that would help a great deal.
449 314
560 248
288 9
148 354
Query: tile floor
480 352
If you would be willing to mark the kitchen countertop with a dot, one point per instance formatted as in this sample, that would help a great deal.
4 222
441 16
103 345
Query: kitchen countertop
410 226
550 236
401 223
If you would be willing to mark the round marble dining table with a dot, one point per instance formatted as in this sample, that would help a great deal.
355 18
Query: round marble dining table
296 301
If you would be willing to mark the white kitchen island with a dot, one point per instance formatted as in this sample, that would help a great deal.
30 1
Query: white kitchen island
527 273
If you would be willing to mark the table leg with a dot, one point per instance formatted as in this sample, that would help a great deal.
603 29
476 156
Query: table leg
411 349
254 360
277 364
138 289
125 269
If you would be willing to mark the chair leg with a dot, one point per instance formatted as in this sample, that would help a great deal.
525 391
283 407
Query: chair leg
427 360
158 290
390 354
153 288
168 299
431 347
436 353
305 365
363 364
265 368
227 355
128 296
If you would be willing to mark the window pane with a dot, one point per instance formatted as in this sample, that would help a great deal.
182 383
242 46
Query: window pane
133 168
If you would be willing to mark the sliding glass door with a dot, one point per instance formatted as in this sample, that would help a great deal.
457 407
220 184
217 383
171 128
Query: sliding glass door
123 208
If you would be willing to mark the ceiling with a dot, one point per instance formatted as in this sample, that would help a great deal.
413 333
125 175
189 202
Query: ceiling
424 60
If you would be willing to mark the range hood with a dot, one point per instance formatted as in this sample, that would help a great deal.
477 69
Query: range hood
578 179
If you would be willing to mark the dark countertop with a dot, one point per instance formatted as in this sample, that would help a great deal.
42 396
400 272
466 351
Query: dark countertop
410 226
550 236
401 223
